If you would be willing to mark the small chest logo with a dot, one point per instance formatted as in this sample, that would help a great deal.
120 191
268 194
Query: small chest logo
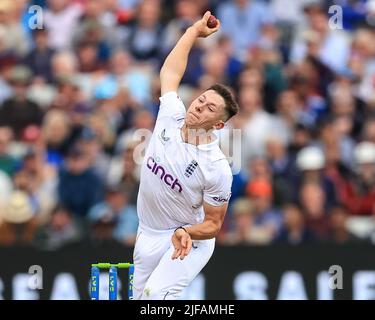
163 138
190 168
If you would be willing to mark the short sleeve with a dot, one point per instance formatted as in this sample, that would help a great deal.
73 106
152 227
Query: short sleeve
218 190
171 105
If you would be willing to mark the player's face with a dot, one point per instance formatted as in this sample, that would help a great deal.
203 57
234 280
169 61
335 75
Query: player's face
206 111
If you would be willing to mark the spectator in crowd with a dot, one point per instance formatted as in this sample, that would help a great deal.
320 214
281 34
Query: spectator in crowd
294 229
39 180
344 121
252 77
39 59
103 129
61 19
260 169
369 130
256 122
359 193
289 112
301 138
68 96
331 46
281 168
114 218
337 171
260 193
113 104
145 32
18 224
312 201
288 13
245 231
242 21
339 233
362 63
88 57
125 170
89 143
14 36
311 163
97 25
143 120
6 188
7 162
18 111
79 187
134 77
309 80
234 65
7 60
346 109
65 69
266 56
61 230
215 64
57 131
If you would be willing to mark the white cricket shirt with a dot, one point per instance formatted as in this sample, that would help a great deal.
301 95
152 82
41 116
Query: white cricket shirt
176 176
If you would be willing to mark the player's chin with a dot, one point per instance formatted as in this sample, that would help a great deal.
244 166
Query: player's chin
190 122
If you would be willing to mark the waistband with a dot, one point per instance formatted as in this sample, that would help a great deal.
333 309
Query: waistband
155 232
167 233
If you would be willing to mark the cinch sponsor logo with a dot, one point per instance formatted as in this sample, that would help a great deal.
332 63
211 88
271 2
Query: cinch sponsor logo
159 171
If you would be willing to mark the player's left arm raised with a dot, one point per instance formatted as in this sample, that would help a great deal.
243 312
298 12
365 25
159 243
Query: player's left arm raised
175 64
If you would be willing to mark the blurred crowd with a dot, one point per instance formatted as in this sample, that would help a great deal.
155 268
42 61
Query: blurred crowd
74 93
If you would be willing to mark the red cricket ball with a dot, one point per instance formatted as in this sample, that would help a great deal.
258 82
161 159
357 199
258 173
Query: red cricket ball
211 22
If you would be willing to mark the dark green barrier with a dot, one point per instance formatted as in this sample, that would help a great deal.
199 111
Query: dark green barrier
275 272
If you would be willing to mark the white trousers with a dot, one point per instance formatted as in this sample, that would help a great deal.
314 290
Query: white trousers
156 275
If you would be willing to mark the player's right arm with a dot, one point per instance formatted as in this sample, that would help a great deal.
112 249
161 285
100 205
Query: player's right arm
175 64
208 229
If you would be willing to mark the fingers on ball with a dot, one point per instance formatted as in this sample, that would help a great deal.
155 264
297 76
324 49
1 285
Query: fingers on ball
212 22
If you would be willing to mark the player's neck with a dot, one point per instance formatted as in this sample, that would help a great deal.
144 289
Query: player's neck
196 136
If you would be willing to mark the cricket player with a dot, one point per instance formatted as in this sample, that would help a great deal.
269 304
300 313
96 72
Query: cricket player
185 181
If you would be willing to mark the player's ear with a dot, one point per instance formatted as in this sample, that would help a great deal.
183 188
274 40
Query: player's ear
219 125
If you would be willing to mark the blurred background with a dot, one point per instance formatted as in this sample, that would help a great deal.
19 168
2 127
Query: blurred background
73 93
